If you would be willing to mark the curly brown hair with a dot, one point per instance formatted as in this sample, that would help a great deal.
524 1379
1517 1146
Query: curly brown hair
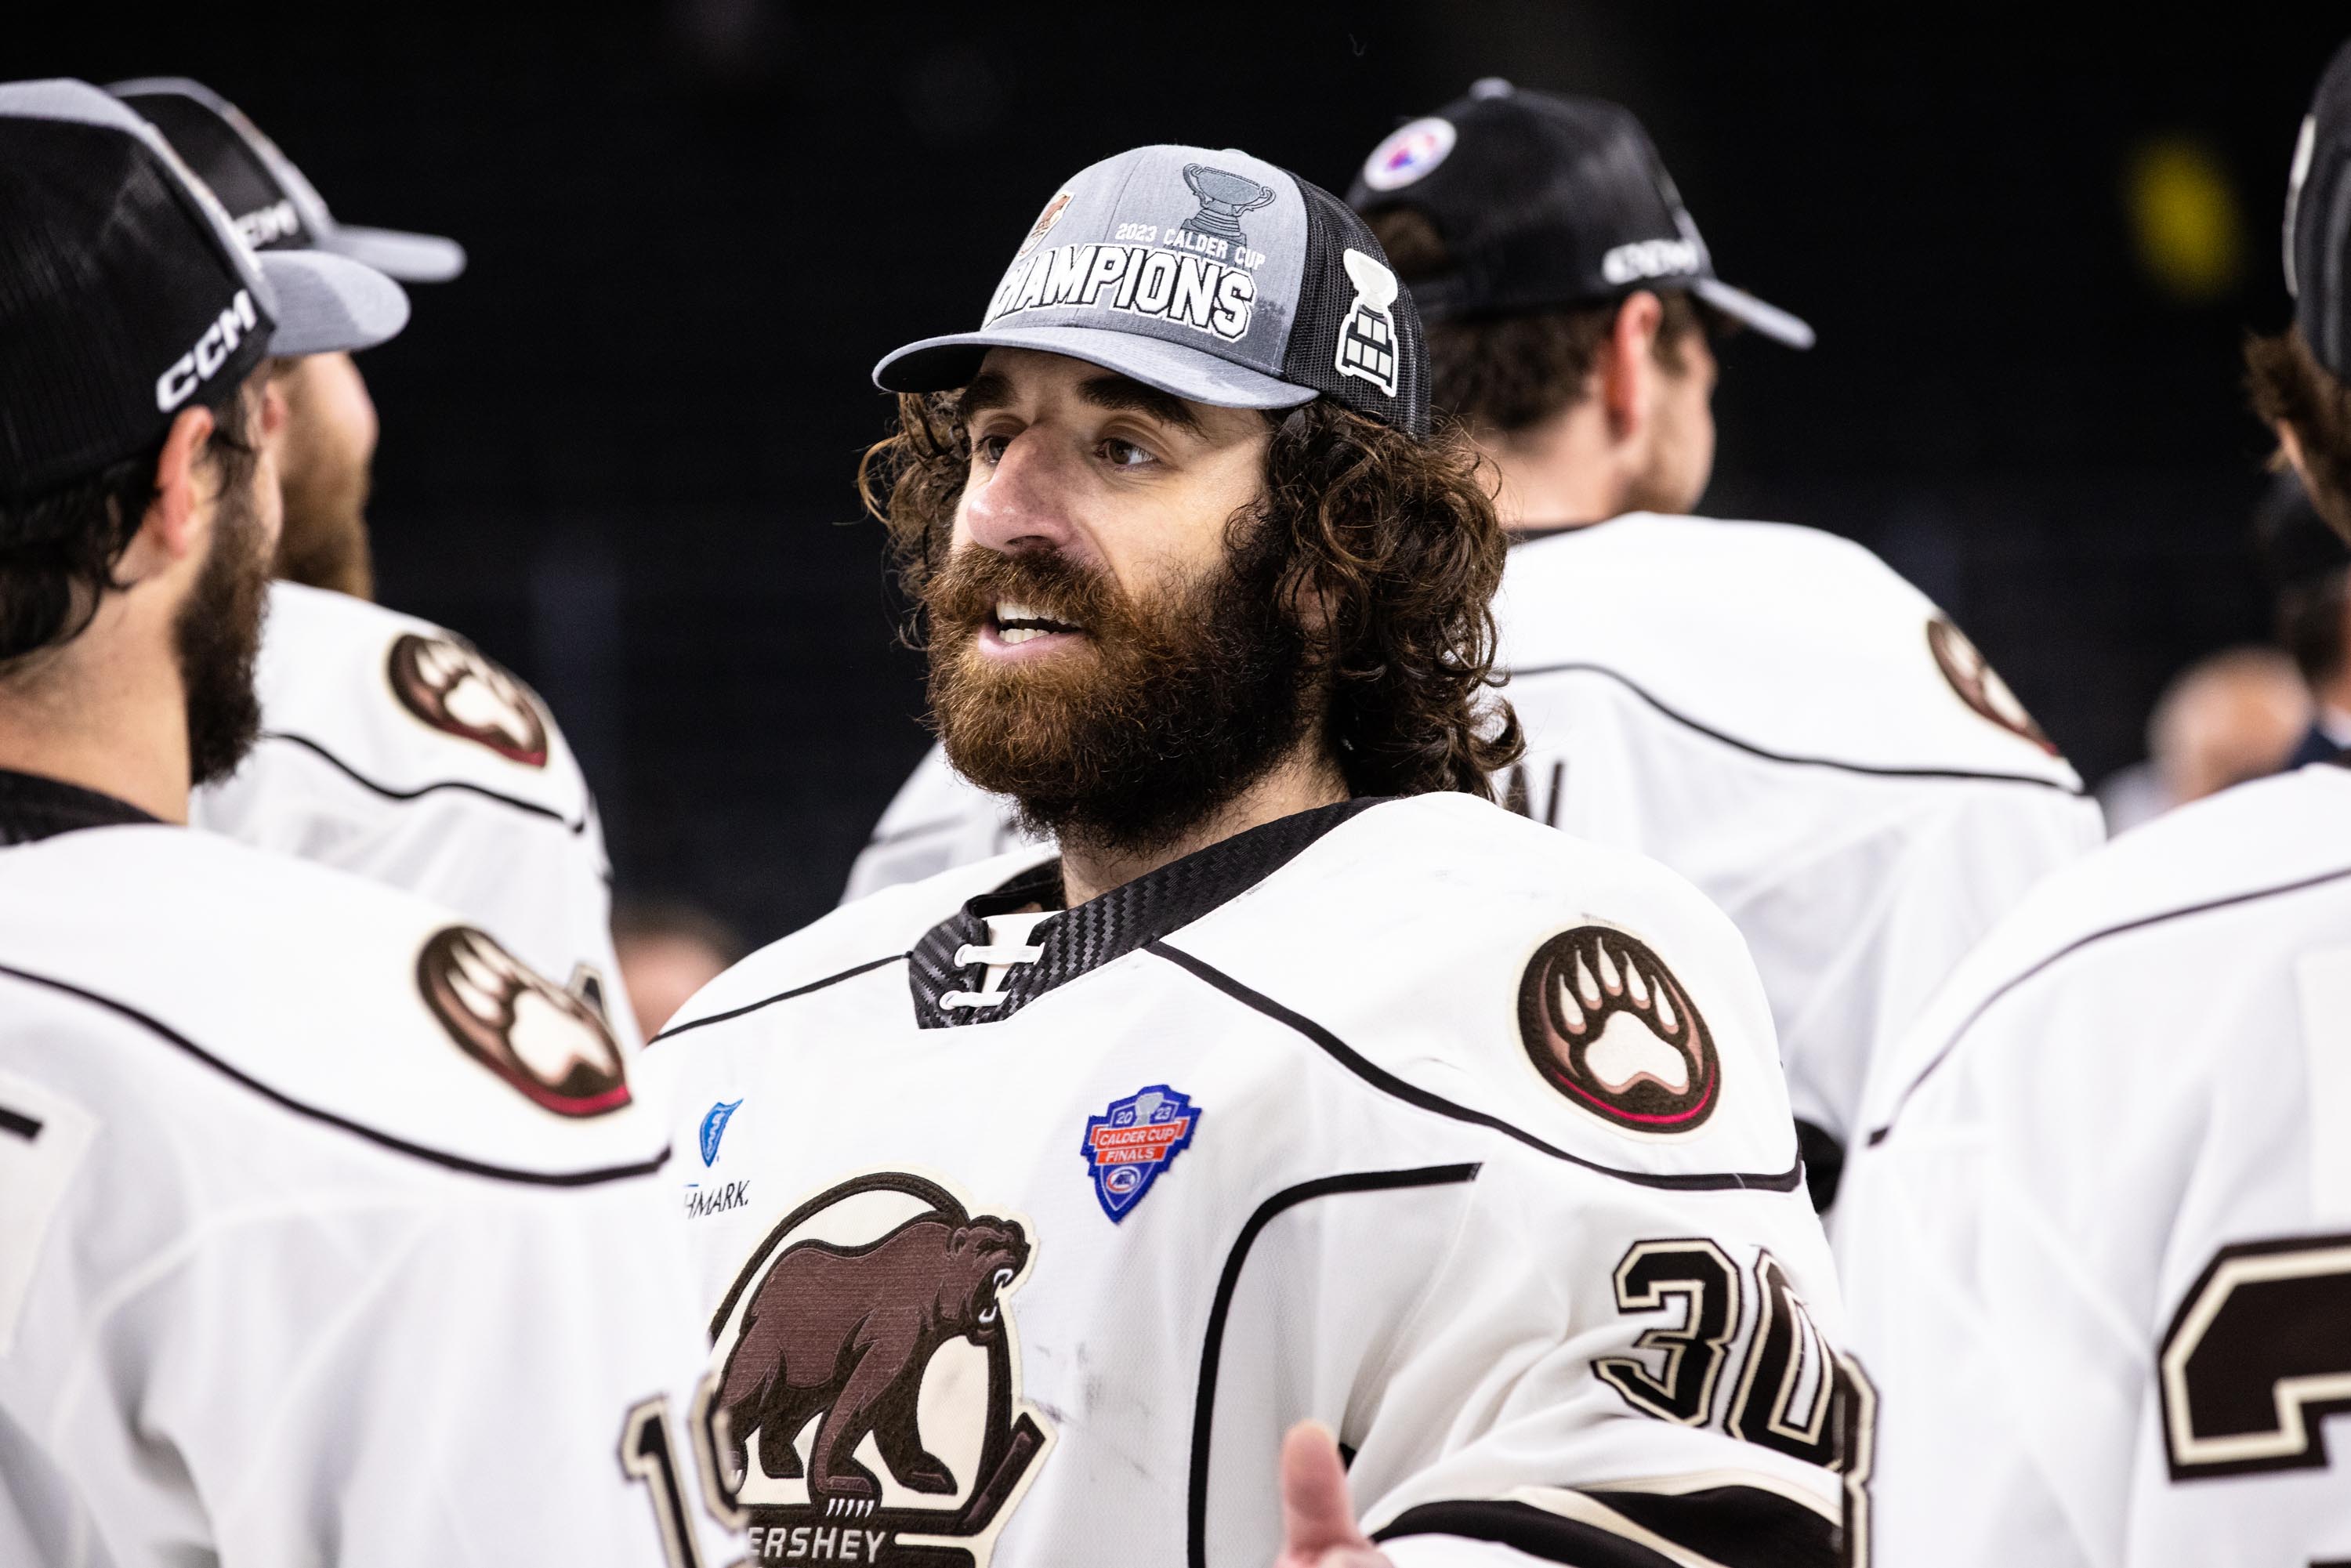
1503 374
2289 386
1396 537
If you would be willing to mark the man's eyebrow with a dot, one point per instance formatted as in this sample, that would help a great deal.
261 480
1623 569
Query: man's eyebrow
1122 393
988 390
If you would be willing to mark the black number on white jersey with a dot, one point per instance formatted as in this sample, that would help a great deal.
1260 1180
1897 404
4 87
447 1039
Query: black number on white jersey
2258 1357
1790 1380
1652 1275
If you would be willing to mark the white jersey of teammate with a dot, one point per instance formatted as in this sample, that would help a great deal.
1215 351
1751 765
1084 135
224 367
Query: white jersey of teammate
1028 1232
327 1232
1779 716
1772 713
2098 1240
393 749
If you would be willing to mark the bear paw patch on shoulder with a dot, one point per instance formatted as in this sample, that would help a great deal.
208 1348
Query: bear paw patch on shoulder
1607 1024
1979 685
547 1043
450 685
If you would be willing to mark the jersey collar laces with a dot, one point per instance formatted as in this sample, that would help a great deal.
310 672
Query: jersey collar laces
1007 944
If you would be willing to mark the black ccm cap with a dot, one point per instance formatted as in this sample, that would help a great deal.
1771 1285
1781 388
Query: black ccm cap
1544 202
272 205
1211 275
125 296
2318 221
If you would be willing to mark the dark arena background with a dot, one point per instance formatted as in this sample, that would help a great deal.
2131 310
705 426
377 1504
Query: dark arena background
619 452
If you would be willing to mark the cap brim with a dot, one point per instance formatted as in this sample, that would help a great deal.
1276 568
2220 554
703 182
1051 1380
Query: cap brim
327 304
396 253
1769 319
943 364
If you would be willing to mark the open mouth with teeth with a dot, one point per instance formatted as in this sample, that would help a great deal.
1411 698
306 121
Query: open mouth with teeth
1002 1277
1015 625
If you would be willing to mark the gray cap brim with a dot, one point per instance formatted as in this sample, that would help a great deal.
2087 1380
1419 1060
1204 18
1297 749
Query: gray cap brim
327 304
1769 319
396 253
943 364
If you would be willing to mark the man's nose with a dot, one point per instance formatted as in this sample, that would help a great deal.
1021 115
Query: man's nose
1023 502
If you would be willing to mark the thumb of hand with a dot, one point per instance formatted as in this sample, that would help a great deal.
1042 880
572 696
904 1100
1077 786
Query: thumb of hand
1318 1516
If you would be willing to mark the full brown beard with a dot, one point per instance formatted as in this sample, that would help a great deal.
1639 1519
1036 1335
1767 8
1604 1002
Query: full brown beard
217 637
1161 714
323 542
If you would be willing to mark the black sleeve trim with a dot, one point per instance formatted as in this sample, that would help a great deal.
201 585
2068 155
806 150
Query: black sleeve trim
1878 1135
1212 1344
1739 1527
778 997
25 1127
1753 750
1389 1084
530 807
1823 1156
359 1130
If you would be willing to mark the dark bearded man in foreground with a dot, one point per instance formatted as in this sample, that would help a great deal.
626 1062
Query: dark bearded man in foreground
1305 1091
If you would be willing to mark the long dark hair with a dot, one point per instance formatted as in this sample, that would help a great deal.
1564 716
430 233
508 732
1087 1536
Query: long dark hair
1396 537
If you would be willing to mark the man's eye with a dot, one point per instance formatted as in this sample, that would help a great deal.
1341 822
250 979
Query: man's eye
1124 454
989 449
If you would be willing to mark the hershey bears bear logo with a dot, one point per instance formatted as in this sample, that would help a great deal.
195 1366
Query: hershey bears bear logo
1607 1025
870 1381
1044 224
1979 685
451 687
546 1042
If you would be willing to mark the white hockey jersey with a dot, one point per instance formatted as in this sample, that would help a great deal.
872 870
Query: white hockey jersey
327 1231
1770 712
395 749
2098 1238
1028 1231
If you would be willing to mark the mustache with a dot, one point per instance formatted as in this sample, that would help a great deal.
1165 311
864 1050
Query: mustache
964 592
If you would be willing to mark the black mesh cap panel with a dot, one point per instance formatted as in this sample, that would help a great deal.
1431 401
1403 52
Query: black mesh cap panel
110 277
1385 373
2318 221
237 174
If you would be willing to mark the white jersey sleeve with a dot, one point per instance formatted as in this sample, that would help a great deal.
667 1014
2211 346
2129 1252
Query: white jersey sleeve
327 1233
1777 716
393 749
2097 1240
937 820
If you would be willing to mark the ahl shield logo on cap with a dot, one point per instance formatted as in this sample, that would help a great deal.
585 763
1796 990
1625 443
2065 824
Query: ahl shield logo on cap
1409 153
1608 1025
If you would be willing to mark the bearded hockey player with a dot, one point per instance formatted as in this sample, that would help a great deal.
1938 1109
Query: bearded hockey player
1039 1200
324 1223
1768 710
389 745
2098 1238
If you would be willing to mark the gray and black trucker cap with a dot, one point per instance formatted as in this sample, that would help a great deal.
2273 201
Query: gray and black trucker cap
125 294
1543 202
273 206
1211 275
2318 220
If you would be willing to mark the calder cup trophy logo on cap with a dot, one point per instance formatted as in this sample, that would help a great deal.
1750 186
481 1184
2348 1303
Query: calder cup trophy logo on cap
1367 338
1224 197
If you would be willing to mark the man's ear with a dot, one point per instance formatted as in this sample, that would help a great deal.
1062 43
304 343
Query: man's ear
2290 448
1627 363
176 519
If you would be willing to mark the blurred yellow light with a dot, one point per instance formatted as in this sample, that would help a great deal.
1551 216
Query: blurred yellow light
2184 218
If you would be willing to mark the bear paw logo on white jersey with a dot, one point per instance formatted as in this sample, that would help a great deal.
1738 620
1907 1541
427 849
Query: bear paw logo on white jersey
1608 1025
1979 685
1367 338
546 1042
453 687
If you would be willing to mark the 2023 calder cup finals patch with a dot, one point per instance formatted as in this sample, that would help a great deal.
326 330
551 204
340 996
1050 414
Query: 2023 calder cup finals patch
1129 1145
1607 1025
